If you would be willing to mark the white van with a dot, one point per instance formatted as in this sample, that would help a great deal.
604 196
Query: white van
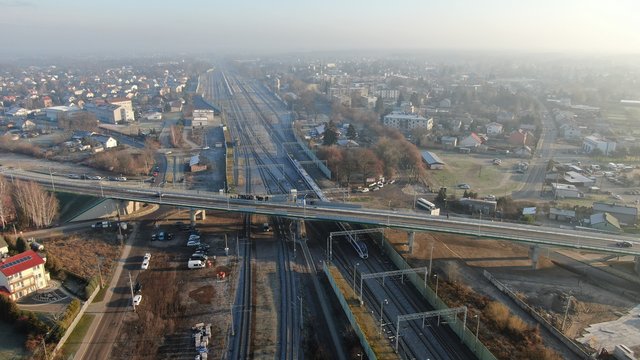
195 264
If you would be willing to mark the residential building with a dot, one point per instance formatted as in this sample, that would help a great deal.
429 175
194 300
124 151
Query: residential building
562 214
627 215
405 122
449 142
605 222
126 106
571 131
194 164
590 143
22 274
471 141
432 160
521 137
494 129
107 142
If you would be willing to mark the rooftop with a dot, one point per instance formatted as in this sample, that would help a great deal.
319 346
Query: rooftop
20 262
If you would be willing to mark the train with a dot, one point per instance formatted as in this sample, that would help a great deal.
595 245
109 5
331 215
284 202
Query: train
425 204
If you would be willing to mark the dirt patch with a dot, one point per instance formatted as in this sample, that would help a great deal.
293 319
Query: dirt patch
203 295
81 252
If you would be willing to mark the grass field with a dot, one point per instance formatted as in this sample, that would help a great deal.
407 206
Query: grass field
75 339
12 344
476 170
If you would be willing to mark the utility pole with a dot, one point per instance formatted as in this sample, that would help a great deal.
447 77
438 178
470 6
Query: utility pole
131 288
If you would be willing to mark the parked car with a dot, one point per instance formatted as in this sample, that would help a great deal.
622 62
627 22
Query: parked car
193 242
137 287
464 186
147 256
137 300
194 237
145 265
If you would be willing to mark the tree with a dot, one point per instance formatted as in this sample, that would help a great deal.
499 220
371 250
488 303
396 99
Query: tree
415 99
7 210
330 134
351 132
34 204
400 99
21 245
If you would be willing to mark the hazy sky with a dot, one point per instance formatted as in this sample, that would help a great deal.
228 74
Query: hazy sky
140 26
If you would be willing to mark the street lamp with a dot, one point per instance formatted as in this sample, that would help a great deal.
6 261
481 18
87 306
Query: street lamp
382 303
436 276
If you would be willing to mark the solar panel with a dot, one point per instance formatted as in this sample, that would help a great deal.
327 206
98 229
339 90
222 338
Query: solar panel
15 262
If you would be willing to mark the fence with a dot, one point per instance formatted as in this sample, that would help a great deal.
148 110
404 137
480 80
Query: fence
347 310
74 322
466 336
547 325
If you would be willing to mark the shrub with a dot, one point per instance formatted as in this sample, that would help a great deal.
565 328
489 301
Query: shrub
91 286
498 313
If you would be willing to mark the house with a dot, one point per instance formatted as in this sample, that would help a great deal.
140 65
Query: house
107 142
432 160
577 179
404 122
566 191
627 215
194 164
25 125
347 143
562 214
523 151
449 142
22 274
176 105
521 137
605 222
593 142
471 141
4 247
494 129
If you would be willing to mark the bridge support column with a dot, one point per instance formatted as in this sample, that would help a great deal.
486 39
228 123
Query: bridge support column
193 215
300 230
636 265
411 236
534 254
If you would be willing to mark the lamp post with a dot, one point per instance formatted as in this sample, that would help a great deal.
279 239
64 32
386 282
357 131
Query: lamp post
382 303
436 276
52 184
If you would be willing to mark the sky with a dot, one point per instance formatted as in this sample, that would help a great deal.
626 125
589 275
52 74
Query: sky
138 27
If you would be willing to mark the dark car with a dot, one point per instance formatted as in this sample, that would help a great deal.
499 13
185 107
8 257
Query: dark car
137 287
624 244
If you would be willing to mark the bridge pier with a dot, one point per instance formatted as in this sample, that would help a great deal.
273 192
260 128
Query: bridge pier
534 254
193 215
301 231
411 236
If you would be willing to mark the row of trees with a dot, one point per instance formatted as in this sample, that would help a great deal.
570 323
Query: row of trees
27 203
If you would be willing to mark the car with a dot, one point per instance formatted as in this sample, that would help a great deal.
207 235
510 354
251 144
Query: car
74 176
497 161
194 237
624 244
137 287
617 197
204 246
464 186
137 299
145 265
147 256
197 256
490 197
205 148
193 242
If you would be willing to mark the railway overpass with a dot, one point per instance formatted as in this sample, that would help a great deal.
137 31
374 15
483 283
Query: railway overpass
403 219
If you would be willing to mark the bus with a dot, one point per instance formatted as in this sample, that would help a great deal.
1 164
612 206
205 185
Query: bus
427 205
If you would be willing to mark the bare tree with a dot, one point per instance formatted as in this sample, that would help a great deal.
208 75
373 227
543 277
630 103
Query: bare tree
38 206
7 210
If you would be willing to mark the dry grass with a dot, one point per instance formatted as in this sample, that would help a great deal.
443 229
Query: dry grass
80 253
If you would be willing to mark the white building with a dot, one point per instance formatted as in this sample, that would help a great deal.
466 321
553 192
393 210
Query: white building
107 142
22 274
592 142
107 113
125 104
55 112
566 191
407 122
494 129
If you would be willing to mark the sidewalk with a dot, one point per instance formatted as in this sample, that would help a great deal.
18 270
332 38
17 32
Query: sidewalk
99 308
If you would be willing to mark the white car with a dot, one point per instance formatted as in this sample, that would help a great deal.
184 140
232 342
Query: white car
194 237
137 299
147 257
145 265
193 242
